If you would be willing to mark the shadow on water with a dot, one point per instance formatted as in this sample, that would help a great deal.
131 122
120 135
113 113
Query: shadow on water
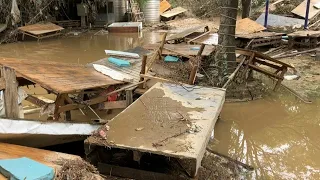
277 135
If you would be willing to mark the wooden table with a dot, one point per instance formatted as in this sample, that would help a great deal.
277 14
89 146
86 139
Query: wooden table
59 78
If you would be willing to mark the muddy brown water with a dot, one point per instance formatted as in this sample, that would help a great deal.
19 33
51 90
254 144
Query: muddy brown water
278 135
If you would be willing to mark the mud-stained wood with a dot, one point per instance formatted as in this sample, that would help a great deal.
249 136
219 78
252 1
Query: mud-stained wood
35 100
38 29
2 83
301 9
10 92
59 77
173 12
183 49
187 32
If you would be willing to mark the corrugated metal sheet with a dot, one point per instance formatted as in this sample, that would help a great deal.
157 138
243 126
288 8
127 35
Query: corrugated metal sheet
151 10
119 10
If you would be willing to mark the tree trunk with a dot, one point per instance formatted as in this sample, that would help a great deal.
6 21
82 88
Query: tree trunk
246 8
225 58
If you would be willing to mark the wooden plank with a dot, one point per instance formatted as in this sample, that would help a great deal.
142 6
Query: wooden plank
259 35
173 12
306 33
259 69
301 9
10 92
248 26
186 32
164 6
201 35
59 77
49 158
182 49
131 173
35 100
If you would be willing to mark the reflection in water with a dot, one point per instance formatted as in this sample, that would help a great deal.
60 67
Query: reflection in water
75 49
277 135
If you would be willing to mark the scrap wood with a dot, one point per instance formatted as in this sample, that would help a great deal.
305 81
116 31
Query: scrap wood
187 32
157 53
173 12
233 75
294 54
77 169
301 9
246 166
164 6
297 94
273 50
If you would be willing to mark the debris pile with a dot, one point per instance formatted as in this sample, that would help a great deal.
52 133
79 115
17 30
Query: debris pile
77 169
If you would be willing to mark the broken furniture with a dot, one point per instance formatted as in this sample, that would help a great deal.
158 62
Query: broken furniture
175 121
61 79
171 14
125 27
183 49
193 33
259 39
41 30
255 61
310 39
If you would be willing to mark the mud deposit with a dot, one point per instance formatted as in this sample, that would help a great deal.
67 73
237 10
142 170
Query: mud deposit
277 135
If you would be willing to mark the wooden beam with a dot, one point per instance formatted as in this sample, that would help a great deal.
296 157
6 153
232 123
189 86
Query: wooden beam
178 53
10 92
201 35
35 100
143 69
97 100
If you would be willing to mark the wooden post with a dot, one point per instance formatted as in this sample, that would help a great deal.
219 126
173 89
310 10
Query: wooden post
163 41
193 74
10 93
143 69
201 49
129 96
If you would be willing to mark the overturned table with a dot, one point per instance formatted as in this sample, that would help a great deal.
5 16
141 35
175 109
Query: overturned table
61 79
170 120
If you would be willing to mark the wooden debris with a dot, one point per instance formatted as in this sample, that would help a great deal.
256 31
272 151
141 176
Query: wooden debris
294 54
41 31
10 92
164 6
309 39
301 9
187 32
259 58
173 12
185 50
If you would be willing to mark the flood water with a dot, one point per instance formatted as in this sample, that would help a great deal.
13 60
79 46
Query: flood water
278 135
